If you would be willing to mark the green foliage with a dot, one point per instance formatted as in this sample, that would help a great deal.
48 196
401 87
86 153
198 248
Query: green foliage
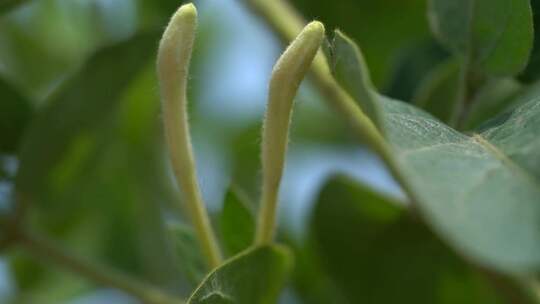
253 276
412 66
455 116
413 265
90 160
237 222
463 182
15 112
498 95
495 36
187 250
379 26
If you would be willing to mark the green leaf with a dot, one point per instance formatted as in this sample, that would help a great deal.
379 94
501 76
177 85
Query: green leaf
91 97
376 252
378 25
349 67
438 92
253 276
91 164
236 222
495 36
480 192
412 66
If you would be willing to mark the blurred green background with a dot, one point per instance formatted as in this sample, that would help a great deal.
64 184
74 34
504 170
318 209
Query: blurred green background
82 153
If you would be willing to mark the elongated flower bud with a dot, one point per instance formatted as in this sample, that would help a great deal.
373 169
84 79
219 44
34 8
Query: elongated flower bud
287 74
173 65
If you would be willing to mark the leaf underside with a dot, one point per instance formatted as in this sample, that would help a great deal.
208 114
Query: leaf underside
480 192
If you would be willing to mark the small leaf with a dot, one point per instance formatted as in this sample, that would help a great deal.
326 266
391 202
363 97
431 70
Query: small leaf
495 35
376 252
463 184
236 222
349 67
254 276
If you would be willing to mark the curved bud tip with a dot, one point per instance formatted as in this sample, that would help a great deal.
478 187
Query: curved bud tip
287 75
182 23
186 11
314 27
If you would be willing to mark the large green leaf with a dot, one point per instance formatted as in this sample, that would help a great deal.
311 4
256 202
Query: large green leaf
376 252
494 35
236 221
254 276
479 191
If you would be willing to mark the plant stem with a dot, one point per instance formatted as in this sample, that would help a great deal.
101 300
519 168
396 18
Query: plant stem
287 23
173 66
48 252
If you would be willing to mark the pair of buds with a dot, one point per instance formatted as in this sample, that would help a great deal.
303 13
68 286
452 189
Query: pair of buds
173 66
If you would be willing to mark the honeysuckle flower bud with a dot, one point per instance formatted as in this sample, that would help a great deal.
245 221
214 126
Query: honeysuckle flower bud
173 66
287 74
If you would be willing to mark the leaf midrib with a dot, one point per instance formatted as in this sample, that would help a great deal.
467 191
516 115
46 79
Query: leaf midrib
486 146
505 160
